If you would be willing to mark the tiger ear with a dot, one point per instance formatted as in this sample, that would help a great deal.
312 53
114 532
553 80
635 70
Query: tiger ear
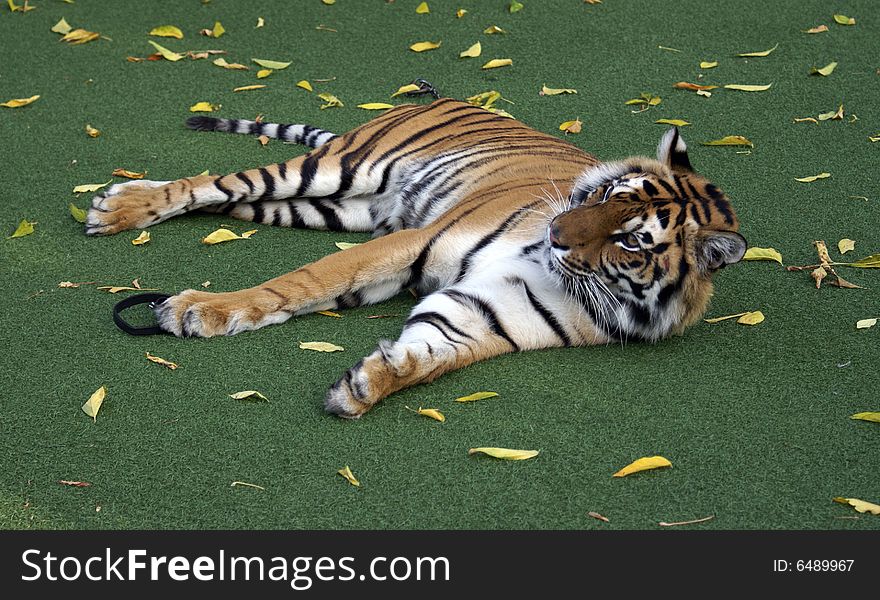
672 151
715 249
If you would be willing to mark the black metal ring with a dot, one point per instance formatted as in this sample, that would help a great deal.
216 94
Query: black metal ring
147 298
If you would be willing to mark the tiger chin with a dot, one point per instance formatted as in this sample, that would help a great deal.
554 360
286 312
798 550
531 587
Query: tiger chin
514 239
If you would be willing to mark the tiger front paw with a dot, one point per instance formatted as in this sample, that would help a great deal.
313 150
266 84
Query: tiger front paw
363 385
130 205
194 313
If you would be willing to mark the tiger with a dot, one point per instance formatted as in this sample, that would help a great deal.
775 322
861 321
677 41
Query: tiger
512 239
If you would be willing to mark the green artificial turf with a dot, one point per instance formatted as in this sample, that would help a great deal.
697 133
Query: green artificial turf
754 419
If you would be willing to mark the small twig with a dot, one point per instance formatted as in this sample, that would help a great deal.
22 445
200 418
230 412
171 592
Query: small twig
703 520
245 484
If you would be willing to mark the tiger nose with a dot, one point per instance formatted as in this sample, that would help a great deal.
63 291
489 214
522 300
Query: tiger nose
553 235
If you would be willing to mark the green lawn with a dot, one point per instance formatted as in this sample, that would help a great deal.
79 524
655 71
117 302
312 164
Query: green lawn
754 419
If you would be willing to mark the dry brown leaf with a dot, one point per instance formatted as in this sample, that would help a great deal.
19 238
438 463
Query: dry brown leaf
320 347
694 87
161 361
128 174
349 476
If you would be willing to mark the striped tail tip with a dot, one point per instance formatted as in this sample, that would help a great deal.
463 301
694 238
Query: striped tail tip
202 123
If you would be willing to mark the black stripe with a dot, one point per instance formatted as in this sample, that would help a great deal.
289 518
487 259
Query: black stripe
276 218
487 312
295 219
307 129
282 171
548 317
247 181
330 218
489 238
282 131
222 188
258 212
430 317
268 184
418 265
649 188
308 169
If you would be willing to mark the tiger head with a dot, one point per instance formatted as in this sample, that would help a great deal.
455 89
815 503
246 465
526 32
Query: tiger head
641 240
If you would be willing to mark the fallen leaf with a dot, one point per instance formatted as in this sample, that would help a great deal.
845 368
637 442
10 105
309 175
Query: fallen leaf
263 73
161 361
498 62
246 484
824 71
643 464
460 13
763 254
645 99
248 394
329 2
331 100
305 85
493 29
79 215
61 27
128 174
596 515
676 524
818 274
382 316
505 453
844 20
167 31
845 245
89 187
730 140
345 245
349 476
806 120
221 62
74 483
221 235
217 30
812 178
843 283
472 52
515 6
263 139
708 65
675 122
422 9
817 29
246 88
328 313
165 52
424 46
93 404
405 89
142 239
748 88
761 53
24 228
320 347
834 115
668 49
204 107
694 87
874 138
19 102
325 28
751 318
866 323
433 413
571 126
80 36
271 64
91 131
206 284
477 396
873 417
115 289
860 505
704 93
260 22
726 317
545 91
375 106
13 7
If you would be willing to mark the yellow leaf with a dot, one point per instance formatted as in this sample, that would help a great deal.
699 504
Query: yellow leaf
252 394
80 36
751 318
218 30
260 22
248 233
843 20
515 6
331 101
695 87
93 404
873 417
817 29
763 254
432 413
78 214
221 62
271 64
824 71
869 262
404 89
498 62
24 228
643 464
161 361
203 107
246 88
345 245
320 347
545 91
806 120
834 115
730 140
845 245
571 126
761 53
423 46
422 8
375 106
646 99
472 52
142 239
91 131
812 178
460 13
167 31
221 235
708 65
329 2
748 88
866 323
19 102
477 396
89 187
165 52
128 174
329 313
724 318
349 476
675 122
860 505
263 73
305 85
493 29
505 453
61 27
